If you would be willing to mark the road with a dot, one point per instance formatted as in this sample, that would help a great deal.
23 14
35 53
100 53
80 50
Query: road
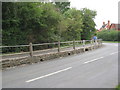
92 69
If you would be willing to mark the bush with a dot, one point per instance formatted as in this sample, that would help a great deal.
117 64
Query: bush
109 35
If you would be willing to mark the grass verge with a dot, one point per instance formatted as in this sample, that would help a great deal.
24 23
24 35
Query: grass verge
111 41
118 87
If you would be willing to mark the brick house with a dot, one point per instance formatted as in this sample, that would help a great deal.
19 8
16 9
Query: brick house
109 26
115 26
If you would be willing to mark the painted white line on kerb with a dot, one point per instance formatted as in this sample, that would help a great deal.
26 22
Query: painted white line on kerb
116 45
93 60
48 74
113 53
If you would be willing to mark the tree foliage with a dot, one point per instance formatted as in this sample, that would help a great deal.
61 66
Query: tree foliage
38 22
74 24
62 6
88 23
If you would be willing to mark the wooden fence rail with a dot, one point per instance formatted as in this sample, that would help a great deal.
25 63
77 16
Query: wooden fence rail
83 42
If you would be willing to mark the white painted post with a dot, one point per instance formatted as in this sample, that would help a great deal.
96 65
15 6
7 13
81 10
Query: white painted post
95 43
84 44
91 44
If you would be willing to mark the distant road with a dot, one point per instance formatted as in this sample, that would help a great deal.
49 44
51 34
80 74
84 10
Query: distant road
92 69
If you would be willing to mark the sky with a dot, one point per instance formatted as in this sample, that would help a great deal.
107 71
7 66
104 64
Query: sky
106 9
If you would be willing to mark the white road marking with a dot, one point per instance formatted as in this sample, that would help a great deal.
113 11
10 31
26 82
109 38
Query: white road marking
48 74
116 45
93 60
112 44
113 53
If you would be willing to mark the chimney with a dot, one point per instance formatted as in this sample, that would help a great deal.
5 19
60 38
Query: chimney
103 23
108 22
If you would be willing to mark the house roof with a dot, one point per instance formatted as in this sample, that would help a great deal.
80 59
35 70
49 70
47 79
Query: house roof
103 26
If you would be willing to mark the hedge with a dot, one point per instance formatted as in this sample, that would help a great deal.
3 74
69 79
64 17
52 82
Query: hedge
109 35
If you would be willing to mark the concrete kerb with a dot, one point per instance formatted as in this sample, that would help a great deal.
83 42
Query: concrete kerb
43 57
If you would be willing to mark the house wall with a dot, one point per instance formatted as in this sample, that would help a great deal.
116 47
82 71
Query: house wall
115 26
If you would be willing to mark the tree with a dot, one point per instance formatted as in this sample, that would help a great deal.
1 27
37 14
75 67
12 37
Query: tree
35 22
88 23
38 22
11 33
62 6
74 24
48 23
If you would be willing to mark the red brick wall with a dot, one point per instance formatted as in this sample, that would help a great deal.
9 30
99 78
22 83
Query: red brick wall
115 26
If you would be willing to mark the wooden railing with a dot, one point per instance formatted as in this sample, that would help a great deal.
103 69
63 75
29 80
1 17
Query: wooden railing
58 45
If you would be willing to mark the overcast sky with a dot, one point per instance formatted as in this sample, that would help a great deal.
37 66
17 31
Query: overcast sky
106 9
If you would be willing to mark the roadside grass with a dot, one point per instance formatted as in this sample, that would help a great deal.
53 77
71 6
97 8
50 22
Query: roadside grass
111 41
118 87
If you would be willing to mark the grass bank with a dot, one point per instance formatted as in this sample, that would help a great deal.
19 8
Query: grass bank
111 41
118 87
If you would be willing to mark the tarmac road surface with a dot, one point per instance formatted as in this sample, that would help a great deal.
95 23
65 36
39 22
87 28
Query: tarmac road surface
92 69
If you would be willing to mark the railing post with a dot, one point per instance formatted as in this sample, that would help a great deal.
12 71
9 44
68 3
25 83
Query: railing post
74 44
58 46
83 43
95 43
91 44
31 50
100 42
